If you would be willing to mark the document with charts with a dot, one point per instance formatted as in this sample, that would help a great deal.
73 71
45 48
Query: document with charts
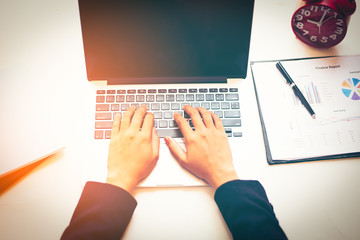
332 87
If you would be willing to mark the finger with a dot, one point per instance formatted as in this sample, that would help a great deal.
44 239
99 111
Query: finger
207 118
217 121
138 118
155 143
195 116
126 119
176 150
148 124
184 126
116 125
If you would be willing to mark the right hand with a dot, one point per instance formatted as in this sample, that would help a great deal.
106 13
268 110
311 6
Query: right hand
207 154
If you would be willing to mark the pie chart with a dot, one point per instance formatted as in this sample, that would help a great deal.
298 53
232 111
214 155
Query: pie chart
351 88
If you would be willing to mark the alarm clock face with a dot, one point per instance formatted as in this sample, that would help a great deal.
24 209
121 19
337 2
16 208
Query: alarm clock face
319 26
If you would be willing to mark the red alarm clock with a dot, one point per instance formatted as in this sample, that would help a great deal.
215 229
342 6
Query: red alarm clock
322 23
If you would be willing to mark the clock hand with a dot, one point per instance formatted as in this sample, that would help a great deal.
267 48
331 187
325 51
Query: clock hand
327 19
313 22
322 17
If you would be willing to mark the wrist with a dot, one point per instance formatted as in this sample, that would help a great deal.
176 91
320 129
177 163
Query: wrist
125 183
221 179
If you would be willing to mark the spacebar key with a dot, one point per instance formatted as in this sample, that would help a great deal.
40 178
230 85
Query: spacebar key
231 122
174 133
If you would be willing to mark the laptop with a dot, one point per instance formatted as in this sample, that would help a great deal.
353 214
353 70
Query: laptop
164 54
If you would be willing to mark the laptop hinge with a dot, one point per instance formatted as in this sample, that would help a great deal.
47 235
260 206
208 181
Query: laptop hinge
113 81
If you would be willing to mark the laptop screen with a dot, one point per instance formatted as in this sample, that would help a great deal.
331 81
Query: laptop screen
166 41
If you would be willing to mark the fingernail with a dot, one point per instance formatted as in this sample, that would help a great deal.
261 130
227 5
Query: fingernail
166 140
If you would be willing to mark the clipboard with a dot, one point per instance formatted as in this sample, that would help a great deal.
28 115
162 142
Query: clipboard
341 74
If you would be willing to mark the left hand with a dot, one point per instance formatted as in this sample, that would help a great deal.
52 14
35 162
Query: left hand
134 148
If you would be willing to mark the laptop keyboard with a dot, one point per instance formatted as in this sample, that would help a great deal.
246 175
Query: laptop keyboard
224 102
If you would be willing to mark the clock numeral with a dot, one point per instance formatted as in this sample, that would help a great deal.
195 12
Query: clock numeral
300 25
305 12
333 36
314 8
313 38
306 32
339 30
339 22
324 39
299 17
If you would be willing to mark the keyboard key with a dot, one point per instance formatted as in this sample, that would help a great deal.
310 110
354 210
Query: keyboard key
180 97
232 114
114 114
175 106
225 105
107 134
103 125
141 91
237 134
232 97
140 98
162 91
228 130
155 106
160 98
100 92
219 97
229 134
165 106
215 105
205 105
190 97
158 115
233 90
150 98
110 98
203 90
115 107
213 90
209 97
172 90
120 98
152 91
99 134
100 99
110 91
131 91
174 132
125 106
200 97
130 98
223 90
195 104
235 122
170 98
103 116
163 124
193 90
168 115
182 90
121 91
235 105
102 107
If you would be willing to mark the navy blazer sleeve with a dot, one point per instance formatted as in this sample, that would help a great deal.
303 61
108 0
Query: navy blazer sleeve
247 211
103 212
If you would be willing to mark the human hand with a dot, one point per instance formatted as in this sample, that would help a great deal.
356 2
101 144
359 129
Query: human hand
207 154
134 148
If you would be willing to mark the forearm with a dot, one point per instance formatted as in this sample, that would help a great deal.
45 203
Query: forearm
247 211
103 212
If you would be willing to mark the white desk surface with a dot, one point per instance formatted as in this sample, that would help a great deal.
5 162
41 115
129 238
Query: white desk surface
42 39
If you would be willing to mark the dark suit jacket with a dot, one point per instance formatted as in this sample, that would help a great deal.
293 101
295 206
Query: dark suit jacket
104 211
